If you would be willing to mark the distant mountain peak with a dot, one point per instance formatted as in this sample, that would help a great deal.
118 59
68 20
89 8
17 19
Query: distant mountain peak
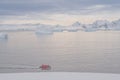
76 23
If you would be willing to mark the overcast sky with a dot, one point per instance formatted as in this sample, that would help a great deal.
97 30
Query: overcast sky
58 11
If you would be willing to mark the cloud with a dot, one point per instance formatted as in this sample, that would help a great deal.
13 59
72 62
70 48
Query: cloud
48 9
17 7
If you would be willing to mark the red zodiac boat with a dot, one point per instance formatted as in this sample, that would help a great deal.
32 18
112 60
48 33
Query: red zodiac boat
45 67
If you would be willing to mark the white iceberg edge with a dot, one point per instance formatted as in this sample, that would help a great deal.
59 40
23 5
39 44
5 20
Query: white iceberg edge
59 76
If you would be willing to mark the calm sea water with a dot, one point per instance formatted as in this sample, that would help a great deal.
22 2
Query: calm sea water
65 52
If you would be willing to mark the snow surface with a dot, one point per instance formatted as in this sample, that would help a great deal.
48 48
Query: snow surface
58 76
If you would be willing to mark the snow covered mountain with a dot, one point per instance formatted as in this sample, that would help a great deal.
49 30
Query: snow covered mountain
98 25
58 28
102 25
116 25
77 26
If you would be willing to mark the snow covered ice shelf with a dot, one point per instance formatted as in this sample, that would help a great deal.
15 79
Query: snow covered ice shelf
58 76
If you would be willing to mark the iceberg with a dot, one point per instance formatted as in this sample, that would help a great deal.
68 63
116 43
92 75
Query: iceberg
3 35
42 32
44 29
